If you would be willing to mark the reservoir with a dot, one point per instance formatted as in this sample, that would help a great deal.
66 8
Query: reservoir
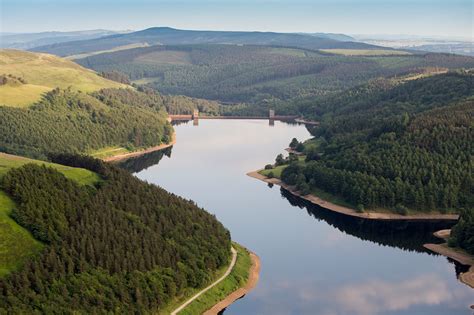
313 261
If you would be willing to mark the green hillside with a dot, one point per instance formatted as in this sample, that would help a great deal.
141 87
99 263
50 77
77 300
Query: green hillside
84 123
42 73
17 243
261 75
405 147
101 252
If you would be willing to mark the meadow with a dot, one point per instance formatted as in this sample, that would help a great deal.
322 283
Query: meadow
42 73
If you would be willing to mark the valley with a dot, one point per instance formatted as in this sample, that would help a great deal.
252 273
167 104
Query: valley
124 158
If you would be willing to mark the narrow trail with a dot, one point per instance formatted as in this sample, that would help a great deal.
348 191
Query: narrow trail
228 271
240 292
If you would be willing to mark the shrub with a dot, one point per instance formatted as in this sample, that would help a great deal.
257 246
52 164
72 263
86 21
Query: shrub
401 209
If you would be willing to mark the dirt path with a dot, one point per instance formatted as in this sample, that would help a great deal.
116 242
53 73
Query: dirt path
125 156
231 266
351 212
237 294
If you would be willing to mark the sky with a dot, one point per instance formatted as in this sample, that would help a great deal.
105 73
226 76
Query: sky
413 17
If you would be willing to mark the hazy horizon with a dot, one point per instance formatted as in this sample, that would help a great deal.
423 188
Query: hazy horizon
368 17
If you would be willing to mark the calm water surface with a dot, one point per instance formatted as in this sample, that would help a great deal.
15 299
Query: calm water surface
313 261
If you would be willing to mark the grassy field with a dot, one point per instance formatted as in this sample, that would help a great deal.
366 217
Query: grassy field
366 52
276 171
16 243
236 279
42 73
80 175
107 152
165 57
124 47
23 95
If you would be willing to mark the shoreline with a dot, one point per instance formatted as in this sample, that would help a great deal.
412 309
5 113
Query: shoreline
125 156
351 212
460 256
306 122
254 274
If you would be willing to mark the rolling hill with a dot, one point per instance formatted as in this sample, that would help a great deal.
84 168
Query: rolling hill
74 110
171 36
134 254
39 73
18 245
261 74
405 147
30 40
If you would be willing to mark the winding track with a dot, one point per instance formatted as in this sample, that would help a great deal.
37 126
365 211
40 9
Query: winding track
231 266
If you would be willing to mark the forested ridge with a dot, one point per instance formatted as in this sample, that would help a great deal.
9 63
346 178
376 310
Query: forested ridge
171 36
407 147
66 121
123 246
262 76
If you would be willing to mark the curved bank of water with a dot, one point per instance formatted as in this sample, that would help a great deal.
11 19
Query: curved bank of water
313 260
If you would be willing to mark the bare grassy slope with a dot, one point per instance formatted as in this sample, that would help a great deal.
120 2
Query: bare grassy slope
42 73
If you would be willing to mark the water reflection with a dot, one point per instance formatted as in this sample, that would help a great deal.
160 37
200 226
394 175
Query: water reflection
140 163
405 235
311 264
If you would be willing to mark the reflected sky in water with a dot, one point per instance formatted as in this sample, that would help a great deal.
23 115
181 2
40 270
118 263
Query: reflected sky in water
313 262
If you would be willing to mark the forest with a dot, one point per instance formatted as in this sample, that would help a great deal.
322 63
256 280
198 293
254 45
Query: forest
462 234
122 245
262 76
67 121
406 148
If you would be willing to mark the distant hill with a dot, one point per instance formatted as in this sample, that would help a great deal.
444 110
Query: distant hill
40 73
171 36
30 40
261 74
339 37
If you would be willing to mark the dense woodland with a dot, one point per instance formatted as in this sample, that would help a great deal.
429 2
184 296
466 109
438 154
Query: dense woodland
260 75
124 246
462 234
408 147
65 121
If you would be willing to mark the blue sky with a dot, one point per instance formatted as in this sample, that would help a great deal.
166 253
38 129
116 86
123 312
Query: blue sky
414 17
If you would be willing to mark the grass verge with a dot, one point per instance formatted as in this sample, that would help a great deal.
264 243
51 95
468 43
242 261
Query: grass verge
108 152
